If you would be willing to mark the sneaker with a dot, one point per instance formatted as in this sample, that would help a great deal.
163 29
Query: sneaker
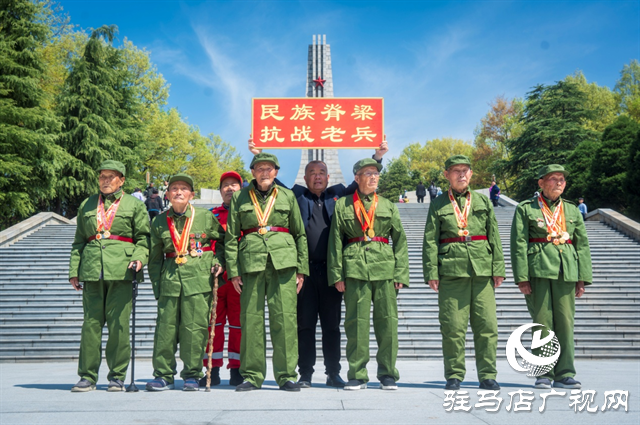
235 379
489 384
159 384
83 386
334 380
388 383
215 378
290 386
246 386
191 384
305 381
355 384
567 382
115 385
452 384
542 384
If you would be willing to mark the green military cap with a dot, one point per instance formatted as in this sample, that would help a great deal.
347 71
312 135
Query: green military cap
457 160
110 164
181 177
261 157
365 163
553 168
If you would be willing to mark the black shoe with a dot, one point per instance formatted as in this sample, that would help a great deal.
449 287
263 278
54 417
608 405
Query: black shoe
334 380
543 384
246 386
305 380
215 378
355 384
388 383
290 386
567 382
235 379
115 385
452 384
489 384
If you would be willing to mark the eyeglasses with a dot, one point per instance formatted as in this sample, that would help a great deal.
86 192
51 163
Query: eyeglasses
370 174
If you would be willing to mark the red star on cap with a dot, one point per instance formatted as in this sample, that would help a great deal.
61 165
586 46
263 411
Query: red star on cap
319 82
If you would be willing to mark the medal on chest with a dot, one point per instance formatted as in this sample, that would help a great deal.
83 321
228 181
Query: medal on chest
366 218
462 217
105 218
263 216
554 221
181 241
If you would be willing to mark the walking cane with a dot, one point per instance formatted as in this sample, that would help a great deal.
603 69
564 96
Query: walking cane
212 325
132 387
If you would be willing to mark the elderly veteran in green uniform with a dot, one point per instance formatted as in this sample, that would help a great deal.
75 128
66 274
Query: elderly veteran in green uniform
181 264
111 244
551 264
266 254
463 262
363 265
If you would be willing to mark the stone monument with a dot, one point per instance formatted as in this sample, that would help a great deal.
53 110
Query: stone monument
320 84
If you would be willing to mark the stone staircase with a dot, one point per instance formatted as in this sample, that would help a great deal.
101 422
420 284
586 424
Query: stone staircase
41 315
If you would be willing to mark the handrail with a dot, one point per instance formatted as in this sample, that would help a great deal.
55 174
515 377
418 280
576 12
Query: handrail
30 225
616 220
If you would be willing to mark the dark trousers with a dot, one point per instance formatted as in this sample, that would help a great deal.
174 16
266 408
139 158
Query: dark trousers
494 201
421 198
317 298
153 214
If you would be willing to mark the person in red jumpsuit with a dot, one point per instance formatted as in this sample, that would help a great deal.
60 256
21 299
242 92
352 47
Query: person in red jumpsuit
228 300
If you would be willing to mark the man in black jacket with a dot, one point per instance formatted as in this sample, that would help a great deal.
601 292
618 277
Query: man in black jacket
421 192
317 202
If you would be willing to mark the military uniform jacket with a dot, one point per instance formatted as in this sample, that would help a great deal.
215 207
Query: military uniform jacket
461 259
249 253
109 259
367 260
546 260
194 277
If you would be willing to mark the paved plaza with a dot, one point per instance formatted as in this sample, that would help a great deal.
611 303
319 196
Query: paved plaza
38 393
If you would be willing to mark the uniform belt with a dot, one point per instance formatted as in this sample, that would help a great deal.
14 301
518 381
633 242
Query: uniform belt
464 239
269 229
366 239
544 240
112 237
173 254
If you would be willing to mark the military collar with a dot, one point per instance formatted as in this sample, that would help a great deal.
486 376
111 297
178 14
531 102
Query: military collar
265 195
172 212
112 196
549 201
458 195
367 198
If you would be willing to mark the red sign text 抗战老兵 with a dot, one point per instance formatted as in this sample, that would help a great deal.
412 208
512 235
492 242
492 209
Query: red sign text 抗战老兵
317 122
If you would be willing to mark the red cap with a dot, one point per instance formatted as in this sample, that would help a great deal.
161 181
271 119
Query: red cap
231 174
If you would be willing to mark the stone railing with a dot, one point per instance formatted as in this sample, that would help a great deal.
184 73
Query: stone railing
616 220
30 225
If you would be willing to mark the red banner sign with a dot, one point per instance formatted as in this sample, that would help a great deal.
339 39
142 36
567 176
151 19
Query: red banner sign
317 122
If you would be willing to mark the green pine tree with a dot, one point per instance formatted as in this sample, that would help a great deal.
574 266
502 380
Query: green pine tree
553 120
632 178
99 109
29 156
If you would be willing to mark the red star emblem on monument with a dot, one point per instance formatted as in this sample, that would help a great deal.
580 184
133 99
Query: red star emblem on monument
319 82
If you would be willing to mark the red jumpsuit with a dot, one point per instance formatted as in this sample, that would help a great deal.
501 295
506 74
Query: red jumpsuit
228 307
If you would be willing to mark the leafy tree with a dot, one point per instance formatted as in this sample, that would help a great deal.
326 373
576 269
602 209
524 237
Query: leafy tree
630 184
553 127
396 178
608 172
579 166
29 156
100 110
628 89
600 99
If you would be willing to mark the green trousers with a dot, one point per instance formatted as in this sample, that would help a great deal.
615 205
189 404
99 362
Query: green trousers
105 301
358 296
460 300
552 303
181 320
279 288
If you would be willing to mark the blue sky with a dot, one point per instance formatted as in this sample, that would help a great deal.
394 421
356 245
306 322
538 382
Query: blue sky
437 64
